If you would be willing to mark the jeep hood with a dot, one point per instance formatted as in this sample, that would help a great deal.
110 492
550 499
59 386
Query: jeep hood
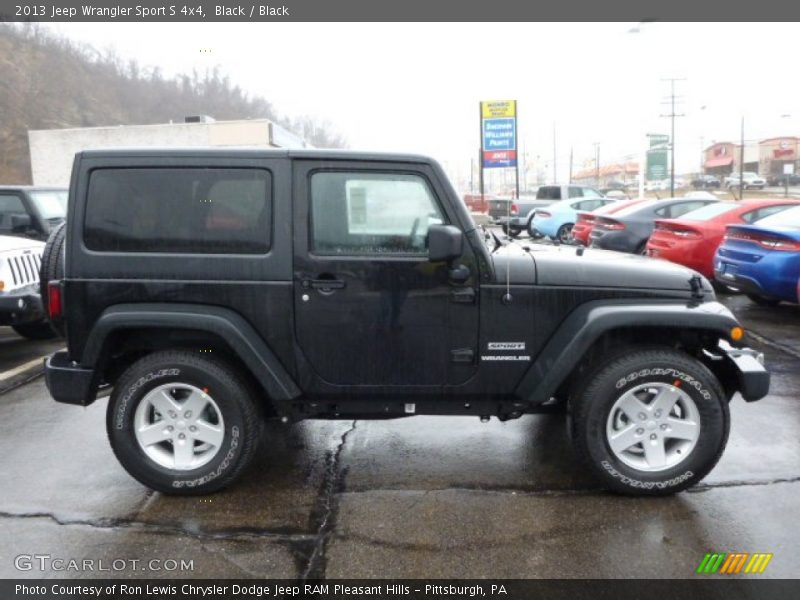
529 264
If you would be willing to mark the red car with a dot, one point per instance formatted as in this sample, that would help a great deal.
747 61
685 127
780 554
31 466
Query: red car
692 239
585 223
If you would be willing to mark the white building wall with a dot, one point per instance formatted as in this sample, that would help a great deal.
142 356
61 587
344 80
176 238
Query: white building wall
53 150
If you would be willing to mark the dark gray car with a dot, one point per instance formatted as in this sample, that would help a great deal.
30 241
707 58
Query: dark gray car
629 229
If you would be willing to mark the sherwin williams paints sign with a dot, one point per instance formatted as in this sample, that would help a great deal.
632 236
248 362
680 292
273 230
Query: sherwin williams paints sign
499 133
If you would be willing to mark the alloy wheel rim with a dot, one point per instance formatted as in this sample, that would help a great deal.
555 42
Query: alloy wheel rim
653 427
179 426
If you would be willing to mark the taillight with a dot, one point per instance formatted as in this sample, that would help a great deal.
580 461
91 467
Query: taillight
683 232
514 209
585 218
765 241
613 225
54 308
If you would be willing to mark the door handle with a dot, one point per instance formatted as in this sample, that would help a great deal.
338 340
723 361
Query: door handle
324 285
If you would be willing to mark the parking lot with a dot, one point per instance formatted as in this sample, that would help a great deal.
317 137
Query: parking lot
420 497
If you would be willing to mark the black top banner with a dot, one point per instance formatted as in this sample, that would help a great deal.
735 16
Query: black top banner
395 10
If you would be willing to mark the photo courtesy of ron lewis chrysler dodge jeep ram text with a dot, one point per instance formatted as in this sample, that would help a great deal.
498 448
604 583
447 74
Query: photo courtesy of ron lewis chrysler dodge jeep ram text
208 290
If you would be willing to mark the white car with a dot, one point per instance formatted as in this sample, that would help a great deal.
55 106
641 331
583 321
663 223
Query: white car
751 181
20 302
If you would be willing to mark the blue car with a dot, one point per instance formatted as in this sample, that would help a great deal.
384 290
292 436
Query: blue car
763 259
556 221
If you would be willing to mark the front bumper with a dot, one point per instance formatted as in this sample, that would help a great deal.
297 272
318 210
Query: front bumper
748 364
68 382
23 305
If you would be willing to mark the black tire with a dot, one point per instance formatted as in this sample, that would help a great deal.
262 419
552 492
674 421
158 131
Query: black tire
514 231
37 330
641 249
229 390
763 300
592 406
52 270
564 233
532 231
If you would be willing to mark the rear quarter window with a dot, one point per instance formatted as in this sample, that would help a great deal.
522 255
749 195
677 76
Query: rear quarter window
179 210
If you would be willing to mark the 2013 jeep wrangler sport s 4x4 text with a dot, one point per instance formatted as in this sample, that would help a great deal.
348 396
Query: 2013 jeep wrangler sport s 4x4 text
209 290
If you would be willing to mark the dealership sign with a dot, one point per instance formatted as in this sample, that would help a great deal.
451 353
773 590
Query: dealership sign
499 133
657 157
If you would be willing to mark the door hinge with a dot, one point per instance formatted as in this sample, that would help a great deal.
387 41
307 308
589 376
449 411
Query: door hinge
462 355
463 295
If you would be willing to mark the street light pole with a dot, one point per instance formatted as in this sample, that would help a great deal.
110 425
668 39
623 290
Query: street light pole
741 164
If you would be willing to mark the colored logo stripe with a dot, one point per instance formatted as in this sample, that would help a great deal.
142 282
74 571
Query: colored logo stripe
734 563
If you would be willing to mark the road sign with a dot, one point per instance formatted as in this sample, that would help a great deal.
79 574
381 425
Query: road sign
788 169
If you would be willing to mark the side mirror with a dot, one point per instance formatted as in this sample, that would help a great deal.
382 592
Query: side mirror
20 223
445 243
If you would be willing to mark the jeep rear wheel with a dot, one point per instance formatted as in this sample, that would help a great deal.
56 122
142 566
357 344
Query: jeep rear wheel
651 422
183 424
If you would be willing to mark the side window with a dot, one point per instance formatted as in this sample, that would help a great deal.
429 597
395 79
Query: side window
664 212
755 215
360 213
590 204
10 205
182 210
575 192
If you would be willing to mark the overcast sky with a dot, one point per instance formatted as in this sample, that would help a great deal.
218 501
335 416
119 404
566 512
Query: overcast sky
416 87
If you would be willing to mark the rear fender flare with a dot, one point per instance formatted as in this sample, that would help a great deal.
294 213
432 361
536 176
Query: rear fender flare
243 339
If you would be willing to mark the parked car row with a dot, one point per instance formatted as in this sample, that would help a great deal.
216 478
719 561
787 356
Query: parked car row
750 245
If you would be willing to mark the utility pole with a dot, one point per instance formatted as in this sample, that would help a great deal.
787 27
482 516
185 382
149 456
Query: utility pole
570 164
597 164
555 170
741 164
671 101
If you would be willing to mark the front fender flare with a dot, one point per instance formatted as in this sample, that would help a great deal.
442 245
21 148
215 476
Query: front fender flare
248 345
589 321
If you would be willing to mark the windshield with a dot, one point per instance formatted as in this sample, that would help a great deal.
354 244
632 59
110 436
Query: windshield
51 204
784 218
708 212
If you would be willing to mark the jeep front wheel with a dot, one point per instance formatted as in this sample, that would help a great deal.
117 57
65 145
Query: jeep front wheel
183 424
651 422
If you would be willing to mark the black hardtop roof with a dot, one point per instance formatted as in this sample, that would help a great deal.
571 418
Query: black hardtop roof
249 152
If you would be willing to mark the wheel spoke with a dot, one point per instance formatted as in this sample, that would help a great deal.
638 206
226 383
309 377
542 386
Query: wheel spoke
682 429
165 403
654 453
624 439
184 453
153 434
194 404
632 407
208 433
665 399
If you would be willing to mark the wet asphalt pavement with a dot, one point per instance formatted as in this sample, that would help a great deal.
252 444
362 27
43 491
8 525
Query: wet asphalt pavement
418 497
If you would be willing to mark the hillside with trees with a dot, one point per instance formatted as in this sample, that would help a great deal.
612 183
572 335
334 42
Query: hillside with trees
49 82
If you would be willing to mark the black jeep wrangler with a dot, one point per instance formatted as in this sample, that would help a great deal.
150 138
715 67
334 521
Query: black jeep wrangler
208 290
